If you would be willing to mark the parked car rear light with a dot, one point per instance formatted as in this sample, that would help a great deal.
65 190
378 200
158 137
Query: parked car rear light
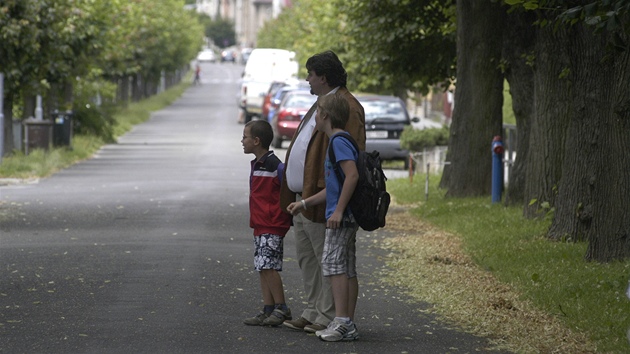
286 116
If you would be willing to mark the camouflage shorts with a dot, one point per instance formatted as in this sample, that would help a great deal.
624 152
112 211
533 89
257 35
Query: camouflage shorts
268 252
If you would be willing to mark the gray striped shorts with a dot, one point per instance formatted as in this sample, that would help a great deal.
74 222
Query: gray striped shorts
340 251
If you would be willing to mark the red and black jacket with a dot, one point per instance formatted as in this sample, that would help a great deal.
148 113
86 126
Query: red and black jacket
266 217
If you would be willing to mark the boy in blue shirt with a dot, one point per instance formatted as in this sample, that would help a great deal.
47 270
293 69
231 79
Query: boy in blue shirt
339 257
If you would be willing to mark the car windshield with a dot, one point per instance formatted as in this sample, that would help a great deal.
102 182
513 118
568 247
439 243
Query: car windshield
384 110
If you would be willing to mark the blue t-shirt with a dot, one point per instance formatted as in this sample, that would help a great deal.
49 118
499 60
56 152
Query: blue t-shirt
343 151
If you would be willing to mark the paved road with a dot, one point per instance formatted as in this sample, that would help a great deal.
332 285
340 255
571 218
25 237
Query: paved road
146 249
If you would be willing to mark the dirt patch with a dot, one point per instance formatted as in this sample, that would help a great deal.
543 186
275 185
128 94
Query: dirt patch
431 265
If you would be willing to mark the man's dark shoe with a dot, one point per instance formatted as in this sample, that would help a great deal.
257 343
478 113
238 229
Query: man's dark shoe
312 328
297 324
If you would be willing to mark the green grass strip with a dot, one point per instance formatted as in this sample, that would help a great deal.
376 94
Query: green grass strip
587 296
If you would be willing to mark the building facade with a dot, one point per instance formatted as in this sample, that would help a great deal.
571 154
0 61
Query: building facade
248 15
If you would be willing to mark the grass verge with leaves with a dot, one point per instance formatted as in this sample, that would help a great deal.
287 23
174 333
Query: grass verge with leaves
41 163
491 271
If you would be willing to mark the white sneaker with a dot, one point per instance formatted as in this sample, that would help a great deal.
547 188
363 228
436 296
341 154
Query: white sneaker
336 332
353 333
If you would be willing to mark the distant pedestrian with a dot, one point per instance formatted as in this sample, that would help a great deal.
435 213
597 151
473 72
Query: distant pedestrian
269 222
197 80
339 255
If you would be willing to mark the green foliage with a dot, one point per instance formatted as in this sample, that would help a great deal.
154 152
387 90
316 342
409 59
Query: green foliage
418 139
602 15
305 28
40 163
400 45
221 31
92 117
386 46
508 111
165 36
588 297
44 43
141 111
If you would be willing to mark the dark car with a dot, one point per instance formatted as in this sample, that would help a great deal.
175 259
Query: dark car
385 119
290 113
228 55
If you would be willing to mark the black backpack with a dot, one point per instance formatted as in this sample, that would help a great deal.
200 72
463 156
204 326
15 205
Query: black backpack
370 200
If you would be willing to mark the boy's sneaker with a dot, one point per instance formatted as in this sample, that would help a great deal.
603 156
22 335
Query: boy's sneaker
353 333
277 317
336 332
257 320
300 324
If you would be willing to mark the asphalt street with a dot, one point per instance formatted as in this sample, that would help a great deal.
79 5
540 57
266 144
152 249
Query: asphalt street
146 248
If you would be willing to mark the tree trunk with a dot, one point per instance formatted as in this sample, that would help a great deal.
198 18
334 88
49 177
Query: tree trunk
593 201
29 102
477 116
7 111
552 101
518 46
136 92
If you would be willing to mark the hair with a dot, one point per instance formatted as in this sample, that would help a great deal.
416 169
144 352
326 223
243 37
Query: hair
336 106
262 130
328 64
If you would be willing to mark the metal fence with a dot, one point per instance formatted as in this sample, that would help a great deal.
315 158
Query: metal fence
430 160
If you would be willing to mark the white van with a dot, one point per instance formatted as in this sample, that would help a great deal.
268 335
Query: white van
264 66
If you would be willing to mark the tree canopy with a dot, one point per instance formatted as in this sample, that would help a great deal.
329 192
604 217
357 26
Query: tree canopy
55 42
386 46
571 121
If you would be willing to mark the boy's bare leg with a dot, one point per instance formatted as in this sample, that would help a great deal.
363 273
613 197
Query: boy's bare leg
340 292
264 288
273 283
353 294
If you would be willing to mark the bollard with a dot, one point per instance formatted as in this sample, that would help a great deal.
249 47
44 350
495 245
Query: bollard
497 168
426 183
410 168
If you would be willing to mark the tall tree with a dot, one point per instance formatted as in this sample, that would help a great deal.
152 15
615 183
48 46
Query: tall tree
552 100
518 53
593 201
43 43
477 116
577 160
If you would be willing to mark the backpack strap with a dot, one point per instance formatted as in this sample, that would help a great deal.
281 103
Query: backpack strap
333 158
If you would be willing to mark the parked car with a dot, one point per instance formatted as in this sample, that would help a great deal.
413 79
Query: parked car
385 119
279 94
206 55
273 88
245 52
291 111
228 55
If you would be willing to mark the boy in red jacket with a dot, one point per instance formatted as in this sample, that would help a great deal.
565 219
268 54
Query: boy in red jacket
269 222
